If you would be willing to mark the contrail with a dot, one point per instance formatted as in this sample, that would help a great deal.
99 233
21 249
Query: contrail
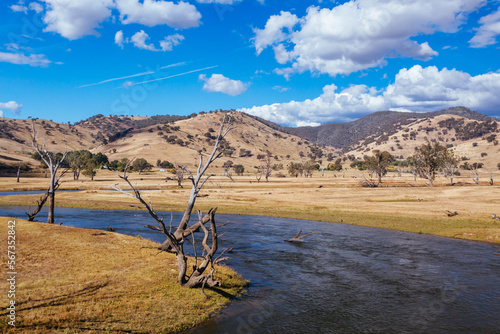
172 76
120 78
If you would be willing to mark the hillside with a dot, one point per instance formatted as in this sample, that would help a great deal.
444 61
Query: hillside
171 138
180 139
345 135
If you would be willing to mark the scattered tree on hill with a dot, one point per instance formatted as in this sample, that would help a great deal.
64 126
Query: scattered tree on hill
141 165
174 242
429 158
378 164
53 163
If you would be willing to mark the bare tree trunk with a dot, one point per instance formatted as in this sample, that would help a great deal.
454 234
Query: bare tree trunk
175 241
18 172
53 166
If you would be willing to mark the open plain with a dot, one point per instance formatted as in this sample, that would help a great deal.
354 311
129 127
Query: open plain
400 203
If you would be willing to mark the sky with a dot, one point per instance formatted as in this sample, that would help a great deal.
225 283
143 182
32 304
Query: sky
292 62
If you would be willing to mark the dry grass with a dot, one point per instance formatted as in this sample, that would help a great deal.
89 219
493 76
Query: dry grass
73 280
396 205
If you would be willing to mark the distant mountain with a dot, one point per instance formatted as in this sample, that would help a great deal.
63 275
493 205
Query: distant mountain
345 135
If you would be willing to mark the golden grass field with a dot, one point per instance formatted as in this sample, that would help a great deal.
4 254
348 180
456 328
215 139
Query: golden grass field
77 280
399 204
73 280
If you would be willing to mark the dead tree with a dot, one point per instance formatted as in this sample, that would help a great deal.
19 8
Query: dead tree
53 163
265 167
475 175
491 182
43 199
18 172
174 242
179 174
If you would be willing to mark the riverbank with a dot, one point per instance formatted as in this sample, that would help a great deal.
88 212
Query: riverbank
400 204
74 280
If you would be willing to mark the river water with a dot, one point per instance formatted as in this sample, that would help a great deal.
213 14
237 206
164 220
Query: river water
345 279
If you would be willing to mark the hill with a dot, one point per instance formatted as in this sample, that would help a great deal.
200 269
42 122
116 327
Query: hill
181 138
345 135
172 138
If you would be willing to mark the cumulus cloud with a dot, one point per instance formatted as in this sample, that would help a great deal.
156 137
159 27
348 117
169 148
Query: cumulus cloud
274 32
19 8
416 89
221 84
75 19
139 41
36 7
34 60
488 31
222 2
140 38
119 38
170 41
12 106
359 34
151 13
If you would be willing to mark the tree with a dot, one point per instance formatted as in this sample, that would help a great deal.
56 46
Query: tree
90 169
295 169
141 165
77 161
266 167
308 167
450 164
174 242
429 158
179 174
378 164
53 163
239 169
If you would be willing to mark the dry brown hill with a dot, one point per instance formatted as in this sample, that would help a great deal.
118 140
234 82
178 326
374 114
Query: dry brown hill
181 138
157 138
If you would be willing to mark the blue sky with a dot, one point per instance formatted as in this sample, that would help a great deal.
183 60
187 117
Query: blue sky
292 62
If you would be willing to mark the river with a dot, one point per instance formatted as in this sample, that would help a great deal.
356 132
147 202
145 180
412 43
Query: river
345 279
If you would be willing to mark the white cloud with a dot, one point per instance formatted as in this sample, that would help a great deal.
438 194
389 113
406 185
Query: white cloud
273 31
19 8
119 38
151 13
359 34
221 84
281 89
12 106
36 7
222 2
139 40
416 89
488 31
34 60
75 19
170 41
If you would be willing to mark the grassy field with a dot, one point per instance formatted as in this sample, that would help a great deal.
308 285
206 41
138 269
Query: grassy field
72 280
400 203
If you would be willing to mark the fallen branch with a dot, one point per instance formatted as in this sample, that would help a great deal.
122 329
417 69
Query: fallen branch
298 238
